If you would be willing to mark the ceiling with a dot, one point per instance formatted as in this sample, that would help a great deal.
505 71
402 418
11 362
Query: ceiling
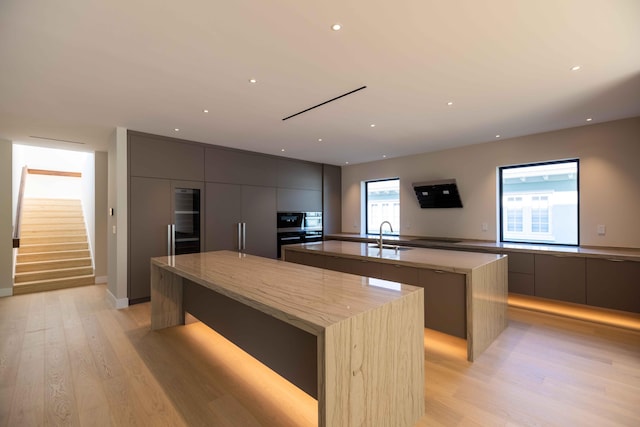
76 70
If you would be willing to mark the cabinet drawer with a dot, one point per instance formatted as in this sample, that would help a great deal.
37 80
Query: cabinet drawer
561 278
399 273
613 284
445 305
521 283
353 266
521 263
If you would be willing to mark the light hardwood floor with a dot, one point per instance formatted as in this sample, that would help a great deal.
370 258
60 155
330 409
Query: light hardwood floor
67 358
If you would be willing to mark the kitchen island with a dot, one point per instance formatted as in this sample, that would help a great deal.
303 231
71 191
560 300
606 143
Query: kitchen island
465 292
357 347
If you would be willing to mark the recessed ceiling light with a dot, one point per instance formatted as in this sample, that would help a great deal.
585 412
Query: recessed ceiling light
346 163
336 27
575 68
372 125
384 156
319 139
589 119
205 111
498 136
176 129
253 81
450 103
282 150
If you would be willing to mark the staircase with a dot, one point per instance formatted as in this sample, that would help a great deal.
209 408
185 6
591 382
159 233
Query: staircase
54 250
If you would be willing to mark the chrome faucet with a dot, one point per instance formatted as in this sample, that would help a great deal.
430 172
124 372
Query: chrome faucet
390 228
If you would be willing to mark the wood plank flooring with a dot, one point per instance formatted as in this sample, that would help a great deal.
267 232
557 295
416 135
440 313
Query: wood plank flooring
67 358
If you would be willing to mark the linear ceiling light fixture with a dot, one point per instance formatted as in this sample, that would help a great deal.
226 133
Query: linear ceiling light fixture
325 102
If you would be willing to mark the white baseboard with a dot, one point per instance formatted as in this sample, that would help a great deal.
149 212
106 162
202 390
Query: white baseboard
101 279
6 292
117 303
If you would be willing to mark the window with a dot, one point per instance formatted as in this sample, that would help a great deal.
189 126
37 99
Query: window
382 202
539 203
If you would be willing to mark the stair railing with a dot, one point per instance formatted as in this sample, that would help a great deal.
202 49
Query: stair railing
18 223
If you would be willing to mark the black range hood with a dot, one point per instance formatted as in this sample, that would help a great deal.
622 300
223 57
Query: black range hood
438 194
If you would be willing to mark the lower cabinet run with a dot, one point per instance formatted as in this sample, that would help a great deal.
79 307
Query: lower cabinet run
469 304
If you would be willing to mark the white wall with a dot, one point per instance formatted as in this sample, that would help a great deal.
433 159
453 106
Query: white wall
117 200
6 219
609 156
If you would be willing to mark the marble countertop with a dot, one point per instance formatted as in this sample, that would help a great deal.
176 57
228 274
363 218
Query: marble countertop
446 260
630 254
307 297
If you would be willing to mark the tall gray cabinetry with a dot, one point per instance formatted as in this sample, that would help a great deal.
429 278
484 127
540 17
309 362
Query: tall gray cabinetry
230 206
241 192
161 173
235 187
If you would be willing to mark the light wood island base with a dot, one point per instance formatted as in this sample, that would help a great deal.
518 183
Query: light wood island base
369 366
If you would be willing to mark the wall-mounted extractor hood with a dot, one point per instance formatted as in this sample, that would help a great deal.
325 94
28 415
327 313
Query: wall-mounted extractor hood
438 194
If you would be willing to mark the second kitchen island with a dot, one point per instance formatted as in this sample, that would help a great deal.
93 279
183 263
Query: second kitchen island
465 292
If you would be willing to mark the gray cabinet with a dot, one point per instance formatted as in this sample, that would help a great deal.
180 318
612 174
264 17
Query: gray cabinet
332 199
223 213
240 167
560 278
230 204
613 284
159 157
296 200
445 305
305 258
259 215
151 211
399 273
360 267
521 273
299 174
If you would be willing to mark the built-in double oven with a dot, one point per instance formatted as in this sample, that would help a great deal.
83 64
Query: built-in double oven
298 227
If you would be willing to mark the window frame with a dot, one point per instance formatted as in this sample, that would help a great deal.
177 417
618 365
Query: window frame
366 205
501 202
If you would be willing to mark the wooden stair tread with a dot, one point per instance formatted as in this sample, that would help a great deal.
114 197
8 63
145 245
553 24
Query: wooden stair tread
53 284
52 264
57 273
50 256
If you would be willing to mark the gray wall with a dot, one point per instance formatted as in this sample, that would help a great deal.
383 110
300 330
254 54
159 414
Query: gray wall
6 222
609 183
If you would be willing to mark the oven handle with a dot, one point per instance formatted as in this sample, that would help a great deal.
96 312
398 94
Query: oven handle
290 238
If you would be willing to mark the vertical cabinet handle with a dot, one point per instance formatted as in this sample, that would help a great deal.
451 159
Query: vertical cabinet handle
168 239
171 239
244 236
239 225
